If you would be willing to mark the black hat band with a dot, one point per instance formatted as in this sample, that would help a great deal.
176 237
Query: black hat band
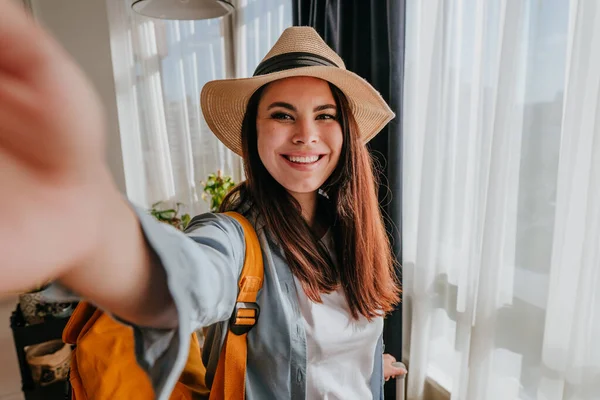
293 60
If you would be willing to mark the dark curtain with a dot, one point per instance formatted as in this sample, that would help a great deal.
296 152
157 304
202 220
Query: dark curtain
369 36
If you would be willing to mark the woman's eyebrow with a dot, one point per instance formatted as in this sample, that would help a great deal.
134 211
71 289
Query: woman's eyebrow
325 107
292 108
283 105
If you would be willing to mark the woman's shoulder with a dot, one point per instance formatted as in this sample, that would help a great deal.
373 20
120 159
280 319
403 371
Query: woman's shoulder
221 221
224 221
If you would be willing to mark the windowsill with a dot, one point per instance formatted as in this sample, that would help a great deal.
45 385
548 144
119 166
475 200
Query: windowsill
437 386
439 378
434 391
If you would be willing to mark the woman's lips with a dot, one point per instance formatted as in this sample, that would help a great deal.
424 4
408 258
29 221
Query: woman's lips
303 162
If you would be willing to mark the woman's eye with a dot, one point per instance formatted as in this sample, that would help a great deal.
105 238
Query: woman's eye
326 116
282 116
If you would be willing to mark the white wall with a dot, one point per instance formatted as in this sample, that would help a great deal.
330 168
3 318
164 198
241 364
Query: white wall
81 26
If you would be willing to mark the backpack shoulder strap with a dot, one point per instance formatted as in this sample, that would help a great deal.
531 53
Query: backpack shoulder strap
82 318
251 279
232 362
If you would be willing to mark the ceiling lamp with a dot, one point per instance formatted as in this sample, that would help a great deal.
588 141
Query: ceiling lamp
183 9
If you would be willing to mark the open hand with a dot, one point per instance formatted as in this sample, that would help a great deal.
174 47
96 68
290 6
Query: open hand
52 169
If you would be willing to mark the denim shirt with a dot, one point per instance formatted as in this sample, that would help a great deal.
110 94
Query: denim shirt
202 276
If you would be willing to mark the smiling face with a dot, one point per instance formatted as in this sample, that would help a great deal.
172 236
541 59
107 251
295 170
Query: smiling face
299 136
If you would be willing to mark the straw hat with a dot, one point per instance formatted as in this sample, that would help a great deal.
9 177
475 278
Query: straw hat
300 51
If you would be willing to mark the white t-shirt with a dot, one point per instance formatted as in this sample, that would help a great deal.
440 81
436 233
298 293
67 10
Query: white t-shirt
340 349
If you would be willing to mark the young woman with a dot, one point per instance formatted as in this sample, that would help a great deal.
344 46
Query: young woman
300 124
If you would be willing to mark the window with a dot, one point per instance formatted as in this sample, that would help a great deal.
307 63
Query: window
500 212
160 67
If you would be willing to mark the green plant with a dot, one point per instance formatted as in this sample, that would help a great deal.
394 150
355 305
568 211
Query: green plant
217 186
170 215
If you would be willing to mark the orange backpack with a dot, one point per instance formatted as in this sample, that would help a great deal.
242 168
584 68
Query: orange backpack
103 364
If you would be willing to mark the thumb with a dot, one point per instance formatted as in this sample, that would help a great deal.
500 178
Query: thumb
399 367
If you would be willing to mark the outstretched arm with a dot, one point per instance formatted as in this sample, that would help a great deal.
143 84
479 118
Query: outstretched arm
62 216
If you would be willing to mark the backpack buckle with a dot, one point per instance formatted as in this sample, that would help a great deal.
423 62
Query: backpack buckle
244 317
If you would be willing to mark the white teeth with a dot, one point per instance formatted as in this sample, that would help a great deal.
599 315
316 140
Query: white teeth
303 160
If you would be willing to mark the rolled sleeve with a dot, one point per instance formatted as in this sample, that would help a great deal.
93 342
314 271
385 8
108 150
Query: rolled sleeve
202 276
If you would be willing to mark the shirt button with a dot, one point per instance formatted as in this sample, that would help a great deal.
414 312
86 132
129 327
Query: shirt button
299 376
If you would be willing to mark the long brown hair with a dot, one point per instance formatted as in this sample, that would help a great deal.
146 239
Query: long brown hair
365 267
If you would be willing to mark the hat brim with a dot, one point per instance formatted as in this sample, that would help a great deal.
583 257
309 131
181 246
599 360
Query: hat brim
224 102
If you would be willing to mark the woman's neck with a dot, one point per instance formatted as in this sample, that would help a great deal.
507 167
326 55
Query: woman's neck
309 204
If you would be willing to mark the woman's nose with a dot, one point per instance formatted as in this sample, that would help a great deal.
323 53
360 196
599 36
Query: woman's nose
305 133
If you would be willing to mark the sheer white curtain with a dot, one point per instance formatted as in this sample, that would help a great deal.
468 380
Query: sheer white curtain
258 24
160 67
501 205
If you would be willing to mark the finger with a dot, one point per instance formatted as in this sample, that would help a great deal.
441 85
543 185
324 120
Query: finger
23 45
17 101
394 374
20 128
400 367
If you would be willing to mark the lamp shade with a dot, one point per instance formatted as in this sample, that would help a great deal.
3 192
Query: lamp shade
182 9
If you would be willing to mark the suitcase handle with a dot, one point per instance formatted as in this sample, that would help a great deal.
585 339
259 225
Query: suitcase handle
400 382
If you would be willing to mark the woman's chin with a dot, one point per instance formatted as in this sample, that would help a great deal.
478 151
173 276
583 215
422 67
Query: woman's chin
301 188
